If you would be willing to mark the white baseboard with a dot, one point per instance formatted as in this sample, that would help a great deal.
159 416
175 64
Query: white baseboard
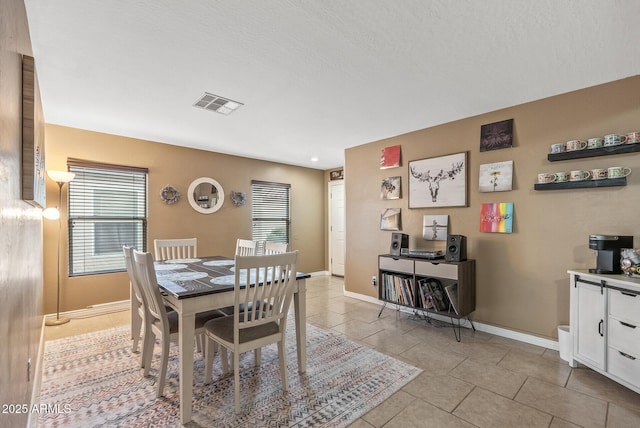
498 331
94 310
320 273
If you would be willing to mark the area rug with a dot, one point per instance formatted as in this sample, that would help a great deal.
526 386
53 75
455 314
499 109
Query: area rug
94 380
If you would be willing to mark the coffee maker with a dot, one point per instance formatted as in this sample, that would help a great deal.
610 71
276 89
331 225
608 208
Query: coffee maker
608 248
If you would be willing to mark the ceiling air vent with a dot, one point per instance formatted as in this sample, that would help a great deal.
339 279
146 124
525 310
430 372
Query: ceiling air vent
217 103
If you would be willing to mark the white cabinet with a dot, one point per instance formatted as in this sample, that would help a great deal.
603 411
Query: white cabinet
605 324
589 324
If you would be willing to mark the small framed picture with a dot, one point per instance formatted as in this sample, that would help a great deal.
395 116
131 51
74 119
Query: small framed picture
390 219
390 157
337 174
496 177
496 217
390 188
435 227
497 135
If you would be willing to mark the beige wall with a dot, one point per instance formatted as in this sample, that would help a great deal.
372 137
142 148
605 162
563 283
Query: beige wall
522 282
20 227
179 166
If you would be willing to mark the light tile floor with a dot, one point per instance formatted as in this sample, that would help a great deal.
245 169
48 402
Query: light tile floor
482 381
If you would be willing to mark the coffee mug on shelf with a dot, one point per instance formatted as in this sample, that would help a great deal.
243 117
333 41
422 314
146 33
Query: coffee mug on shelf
544 178
573 145
633 137
579 175
599 173
618 171
558 148
595 143
563 176
614 140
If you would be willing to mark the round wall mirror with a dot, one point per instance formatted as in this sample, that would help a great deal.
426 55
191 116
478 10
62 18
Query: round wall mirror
205 195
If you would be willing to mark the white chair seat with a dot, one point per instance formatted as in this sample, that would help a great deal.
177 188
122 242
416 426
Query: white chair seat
223 328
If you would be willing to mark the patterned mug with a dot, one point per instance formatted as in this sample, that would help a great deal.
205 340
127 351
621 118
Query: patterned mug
614 140
633 137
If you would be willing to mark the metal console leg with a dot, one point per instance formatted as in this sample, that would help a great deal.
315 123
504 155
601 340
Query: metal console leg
384 305
457 333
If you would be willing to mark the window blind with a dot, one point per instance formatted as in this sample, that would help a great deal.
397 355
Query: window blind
270 211
107 209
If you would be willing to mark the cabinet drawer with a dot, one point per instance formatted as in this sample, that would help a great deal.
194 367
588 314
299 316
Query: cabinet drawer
396 265
624 335
624 367
439 270
623 306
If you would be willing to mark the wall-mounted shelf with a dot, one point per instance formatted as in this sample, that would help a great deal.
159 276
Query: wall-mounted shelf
589 153
607 182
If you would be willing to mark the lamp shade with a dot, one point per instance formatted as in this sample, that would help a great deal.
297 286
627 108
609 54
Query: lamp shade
51 213
61 176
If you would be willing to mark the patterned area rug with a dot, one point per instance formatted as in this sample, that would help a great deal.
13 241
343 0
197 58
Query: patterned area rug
95 380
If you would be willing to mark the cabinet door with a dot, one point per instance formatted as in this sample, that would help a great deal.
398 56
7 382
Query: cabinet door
589 339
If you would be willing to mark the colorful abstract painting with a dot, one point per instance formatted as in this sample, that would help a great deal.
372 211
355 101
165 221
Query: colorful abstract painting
390 157
496 217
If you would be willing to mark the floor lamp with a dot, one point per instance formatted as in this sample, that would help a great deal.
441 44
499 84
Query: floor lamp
60 177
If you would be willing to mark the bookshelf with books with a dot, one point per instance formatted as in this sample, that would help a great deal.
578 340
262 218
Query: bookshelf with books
431 286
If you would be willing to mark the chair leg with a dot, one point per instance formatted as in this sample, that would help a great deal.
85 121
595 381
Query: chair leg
225 360
164 360
236 381
136 326
282 359
147 350
210 348
199 344
257 356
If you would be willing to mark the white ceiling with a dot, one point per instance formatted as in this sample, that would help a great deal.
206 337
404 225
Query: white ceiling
315 76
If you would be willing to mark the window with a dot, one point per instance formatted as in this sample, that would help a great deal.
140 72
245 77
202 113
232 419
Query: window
107 209
270 211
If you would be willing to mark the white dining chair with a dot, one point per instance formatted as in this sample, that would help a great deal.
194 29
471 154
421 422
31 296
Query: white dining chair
245 247
275 247
159 323
137 310
171 249
259 324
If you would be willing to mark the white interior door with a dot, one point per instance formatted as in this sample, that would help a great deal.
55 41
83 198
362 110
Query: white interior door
336 227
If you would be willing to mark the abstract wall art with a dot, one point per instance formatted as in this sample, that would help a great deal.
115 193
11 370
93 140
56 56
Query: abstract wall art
497 135
390 157
496 217
390 219
390 188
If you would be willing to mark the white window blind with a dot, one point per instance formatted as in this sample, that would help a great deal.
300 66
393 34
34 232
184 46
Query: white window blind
107 209
270 211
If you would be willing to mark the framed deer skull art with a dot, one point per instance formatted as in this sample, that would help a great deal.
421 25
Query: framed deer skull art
438 182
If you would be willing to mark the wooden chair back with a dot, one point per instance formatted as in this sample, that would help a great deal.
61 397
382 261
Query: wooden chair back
245 247
170 249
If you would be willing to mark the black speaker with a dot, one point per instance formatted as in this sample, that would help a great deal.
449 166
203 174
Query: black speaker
398 242
456 248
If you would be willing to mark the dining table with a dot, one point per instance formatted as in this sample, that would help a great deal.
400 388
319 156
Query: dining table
200 284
